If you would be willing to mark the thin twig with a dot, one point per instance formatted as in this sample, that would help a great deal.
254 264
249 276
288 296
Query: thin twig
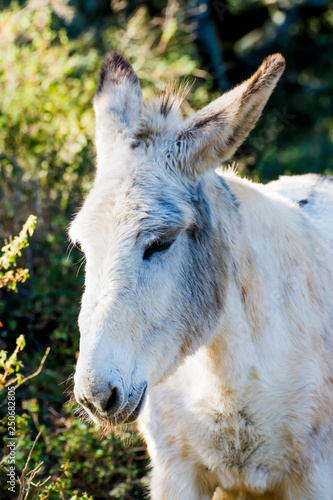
54 484
41 483
34 471
32 475
4 459
37 372
22 480
12 381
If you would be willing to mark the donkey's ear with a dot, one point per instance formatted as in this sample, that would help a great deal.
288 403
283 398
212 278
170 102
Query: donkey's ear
212 135
117 102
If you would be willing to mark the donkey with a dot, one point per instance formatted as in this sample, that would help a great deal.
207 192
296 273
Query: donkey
208 305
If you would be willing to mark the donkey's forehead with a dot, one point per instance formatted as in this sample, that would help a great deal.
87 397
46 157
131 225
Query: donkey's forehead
145 199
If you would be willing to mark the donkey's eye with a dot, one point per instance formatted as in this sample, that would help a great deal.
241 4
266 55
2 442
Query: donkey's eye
157 246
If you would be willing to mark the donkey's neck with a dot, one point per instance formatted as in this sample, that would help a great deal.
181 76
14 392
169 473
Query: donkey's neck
266 245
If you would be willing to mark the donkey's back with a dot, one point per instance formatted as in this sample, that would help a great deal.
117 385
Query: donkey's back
313 193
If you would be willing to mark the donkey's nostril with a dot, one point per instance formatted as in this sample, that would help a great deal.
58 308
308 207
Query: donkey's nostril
112 401
103 399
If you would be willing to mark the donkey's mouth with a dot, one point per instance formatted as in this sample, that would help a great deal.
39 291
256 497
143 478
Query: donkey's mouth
130 412
133 415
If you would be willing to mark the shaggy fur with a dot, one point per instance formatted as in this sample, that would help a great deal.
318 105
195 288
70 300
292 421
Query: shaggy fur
208 304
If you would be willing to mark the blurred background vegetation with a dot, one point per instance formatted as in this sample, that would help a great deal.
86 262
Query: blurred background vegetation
50 56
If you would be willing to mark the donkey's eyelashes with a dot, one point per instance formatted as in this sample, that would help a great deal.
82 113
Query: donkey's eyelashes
157 246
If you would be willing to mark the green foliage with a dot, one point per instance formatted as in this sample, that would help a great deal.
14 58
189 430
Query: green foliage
10 365
106 466
11 252
71 457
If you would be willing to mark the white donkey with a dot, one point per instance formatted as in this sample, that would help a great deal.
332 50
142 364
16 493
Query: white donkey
208 305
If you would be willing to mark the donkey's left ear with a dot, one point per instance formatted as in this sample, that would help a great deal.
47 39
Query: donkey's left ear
117 102
212 135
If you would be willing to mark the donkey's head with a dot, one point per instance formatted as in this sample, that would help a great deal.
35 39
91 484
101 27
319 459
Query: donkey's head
154 230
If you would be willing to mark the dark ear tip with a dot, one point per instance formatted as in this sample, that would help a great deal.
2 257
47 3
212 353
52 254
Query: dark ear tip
275 63
115 69
115 61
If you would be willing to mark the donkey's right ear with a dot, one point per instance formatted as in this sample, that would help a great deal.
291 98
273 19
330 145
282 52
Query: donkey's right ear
212 135
117 102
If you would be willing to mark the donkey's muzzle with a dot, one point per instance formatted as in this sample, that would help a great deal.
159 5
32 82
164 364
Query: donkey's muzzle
109 404
100 402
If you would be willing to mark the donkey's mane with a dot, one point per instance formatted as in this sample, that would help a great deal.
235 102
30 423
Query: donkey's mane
161 115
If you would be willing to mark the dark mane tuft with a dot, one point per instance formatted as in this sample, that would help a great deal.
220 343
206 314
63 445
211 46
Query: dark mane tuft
161 115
